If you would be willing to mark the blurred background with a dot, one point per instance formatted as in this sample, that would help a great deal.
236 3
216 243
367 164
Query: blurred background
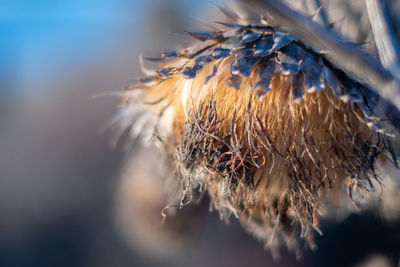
67 196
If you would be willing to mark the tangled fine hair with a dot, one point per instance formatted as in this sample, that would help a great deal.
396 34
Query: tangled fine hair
267 126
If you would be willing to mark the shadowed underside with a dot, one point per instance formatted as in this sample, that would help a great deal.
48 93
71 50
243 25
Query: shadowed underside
267 126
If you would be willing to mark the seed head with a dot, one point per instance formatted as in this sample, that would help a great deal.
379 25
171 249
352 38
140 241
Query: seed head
269 127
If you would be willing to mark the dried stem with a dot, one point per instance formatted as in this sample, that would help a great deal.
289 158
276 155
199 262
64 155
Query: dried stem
385 41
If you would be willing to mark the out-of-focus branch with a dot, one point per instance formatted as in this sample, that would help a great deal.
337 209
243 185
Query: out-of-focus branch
384 38
345 55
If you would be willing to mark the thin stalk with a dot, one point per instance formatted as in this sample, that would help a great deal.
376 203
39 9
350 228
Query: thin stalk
385 40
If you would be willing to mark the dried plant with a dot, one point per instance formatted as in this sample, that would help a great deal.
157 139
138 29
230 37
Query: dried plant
265 117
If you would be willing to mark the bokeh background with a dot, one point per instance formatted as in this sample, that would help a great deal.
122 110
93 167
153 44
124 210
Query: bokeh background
64 200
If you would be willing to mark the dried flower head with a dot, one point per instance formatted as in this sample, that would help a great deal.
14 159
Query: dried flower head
269 127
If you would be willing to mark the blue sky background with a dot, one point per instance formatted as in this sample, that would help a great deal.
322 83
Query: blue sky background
44 38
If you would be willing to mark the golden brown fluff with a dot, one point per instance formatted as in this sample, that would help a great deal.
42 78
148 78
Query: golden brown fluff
267 126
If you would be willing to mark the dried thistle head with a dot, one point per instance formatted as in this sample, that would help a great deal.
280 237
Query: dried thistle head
269 127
